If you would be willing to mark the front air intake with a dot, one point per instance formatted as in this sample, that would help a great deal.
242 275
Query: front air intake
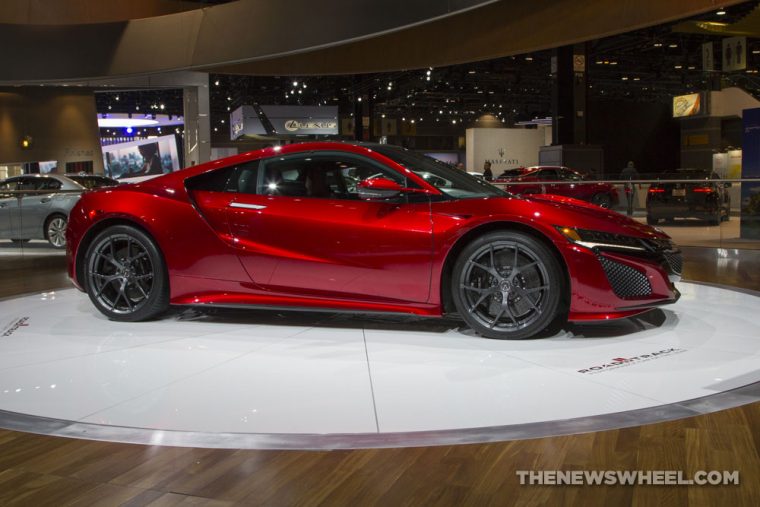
626 282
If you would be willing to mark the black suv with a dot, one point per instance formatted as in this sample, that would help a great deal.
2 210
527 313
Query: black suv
701 198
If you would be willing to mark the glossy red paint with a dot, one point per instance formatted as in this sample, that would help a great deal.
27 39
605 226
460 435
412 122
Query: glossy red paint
357 255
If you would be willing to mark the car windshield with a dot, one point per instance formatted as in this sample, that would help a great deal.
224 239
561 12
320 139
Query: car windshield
452 182
91 182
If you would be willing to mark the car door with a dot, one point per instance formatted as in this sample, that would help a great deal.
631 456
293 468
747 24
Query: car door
8 208
548 178
304 230
572 184
35 206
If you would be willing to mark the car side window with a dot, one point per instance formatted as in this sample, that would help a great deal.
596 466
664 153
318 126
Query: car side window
27 184
547 175
568 175
49 184
322 176
241 178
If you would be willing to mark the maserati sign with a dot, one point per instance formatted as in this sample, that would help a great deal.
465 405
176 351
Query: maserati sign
502 152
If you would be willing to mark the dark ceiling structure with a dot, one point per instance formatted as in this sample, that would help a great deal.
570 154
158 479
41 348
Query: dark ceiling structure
647 65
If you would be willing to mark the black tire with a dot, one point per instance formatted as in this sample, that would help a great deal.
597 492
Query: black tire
125 275
602 200
20 240
652 220
55 230
715 219
484 276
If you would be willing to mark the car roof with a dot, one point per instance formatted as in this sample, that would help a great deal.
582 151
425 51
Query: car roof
67 183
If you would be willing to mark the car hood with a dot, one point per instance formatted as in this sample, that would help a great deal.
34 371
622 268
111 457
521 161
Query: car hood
554 210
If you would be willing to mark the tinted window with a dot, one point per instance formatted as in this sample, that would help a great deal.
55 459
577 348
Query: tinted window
452 182
327 176
546 175
569 175
49 184
239 178
94 181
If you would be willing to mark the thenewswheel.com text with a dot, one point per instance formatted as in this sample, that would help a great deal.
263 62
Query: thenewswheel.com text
627 477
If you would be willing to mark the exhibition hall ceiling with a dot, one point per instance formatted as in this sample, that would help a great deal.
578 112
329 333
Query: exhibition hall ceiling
649 65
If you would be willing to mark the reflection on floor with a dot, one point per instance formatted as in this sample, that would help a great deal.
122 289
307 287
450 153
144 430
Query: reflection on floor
34 247
42 470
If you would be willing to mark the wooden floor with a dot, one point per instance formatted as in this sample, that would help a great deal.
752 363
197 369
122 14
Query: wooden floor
38 470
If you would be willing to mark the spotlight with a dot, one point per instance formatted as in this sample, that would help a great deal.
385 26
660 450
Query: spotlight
26 142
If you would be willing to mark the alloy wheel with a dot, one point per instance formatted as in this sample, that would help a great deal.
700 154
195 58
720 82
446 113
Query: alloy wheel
120 274
56 232
504 286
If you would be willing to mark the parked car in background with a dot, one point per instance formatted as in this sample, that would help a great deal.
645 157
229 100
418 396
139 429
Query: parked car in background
702 198
41 214
558 180
90 181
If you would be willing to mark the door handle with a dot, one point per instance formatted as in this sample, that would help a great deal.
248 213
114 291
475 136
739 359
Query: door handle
246 206
45 199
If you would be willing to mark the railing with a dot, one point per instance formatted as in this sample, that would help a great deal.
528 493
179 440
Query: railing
740 230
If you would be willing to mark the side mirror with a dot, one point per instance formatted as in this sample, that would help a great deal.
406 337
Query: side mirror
378 189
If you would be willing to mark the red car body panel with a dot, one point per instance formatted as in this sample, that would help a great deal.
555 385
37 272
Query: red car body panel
346 255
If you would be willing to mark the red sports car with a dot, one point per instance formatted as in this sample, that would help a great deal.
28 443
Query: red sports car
558 180
362 228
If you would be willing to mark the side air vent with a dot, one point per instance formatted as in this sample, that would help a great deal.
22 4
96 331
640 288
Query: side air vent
626 281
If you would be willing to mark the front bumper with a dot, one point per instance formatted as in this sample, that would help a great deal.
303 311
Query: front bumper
609 284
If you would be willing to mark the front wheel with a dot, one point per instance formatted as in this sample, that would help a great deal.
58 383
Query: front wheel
126 277
507 285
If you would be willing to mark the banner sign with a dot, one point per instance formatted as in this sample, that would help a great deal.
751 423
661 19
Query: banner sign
750 204
302 120
245 121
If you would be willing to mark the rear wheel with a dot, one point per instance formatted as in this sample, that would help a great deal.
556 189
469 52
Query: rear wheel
126 277
715 219
507 285
603 200
55 231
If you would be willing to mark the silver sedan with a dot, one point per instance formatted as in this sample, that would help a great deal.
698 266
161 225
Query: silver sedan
40 214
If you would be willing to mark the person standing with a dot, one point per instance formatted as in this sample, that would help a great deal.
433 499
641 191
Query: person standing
629 173
487 174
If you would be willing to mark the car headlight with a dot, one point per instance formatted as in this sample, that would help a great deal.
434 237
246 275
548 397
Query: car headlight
601 240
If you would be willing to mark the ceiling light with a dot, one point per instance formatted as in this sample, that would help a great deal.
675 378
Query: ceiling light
216 83
721 12
295 83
